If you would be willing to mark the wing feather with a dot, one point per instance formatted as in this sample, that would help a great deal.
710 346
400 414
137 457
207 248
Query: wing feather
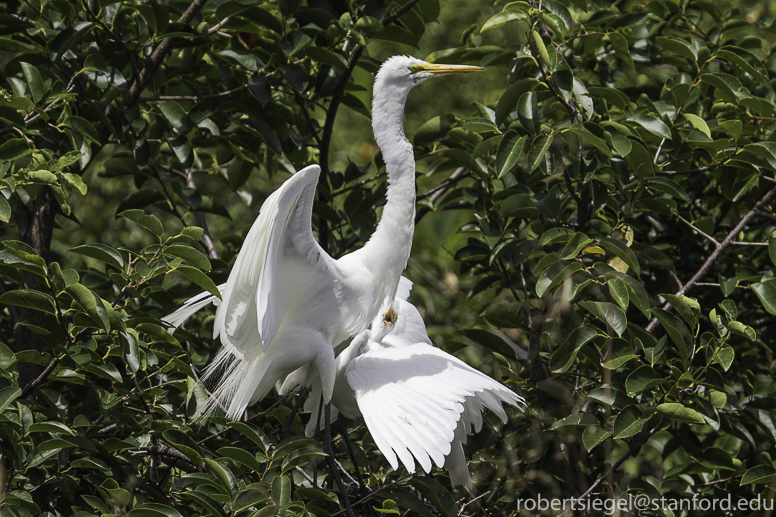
191 306
253 306
415 400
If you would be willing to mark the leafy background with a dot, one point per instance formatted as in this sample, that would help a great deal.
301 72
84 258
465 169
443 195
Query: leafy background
594 229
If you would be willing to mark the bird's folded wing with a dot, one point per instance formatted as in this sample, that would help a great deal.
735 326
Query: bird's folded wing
413 397
253 305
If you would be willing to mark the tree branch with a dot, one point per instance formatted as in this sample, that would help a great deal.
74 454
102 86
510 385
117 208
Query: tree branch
716 253
30 387
158 55
398 12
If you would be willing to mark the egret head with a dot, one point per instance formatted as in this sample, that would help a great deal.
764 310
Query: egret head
407 72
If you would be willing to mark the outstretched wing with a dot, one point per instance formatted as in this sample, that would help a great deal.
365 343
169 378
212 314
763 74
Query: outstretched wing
412 399
253 304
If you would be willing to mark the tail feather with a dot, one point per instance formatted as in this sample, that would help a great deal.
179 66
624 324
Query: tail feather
236 379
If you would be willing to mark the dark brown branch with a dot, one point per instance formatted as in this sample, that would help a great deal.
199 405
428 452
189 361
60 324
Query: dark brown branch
716 253
158 55
398 12
206 239
537 370
30 387
173 457
328 129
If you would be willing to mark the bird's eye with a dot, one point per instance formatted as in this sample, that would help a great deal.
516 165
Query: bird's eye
415 69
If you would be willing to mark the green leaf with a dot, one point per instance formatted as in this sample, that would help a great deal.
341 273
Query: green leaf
30 299
52 427
698 123
590 139
583 419
5 210
620 352
653 125
91 305
189 254
7 396
607 312
131 352
436 494
199 278
528 112
668 186
629 422
575 245
174 113
593 436
622 251
149 222
14 149
240 456
540 146
154 510
281 490
641 379
34 81
505 16
254 434
716 458
683 308
564 356
325 56
100 252
742 330
224 476
84 127
620 45
759 475
509 150
725 356
7 358
678 46
619 291
676 330
766 292
680 413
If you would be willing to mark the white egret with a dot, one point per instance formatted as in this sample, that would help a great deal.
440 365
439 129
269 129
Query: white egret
416 400
287 303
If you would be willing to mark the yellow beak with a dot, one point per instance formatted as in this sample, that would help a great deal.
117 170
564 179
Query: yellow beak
449 69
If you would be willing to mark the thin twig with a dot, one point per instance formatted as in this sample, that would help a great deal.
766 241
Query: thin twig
715 254
689 171
194 98
697 230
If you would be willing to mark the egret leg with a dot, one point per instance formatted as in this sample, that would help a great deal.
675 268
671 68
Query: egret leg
361 486
317 433
285 432
330 458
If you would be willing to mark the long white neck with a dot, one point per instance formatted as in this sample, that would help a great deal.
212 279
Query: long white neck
389 247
